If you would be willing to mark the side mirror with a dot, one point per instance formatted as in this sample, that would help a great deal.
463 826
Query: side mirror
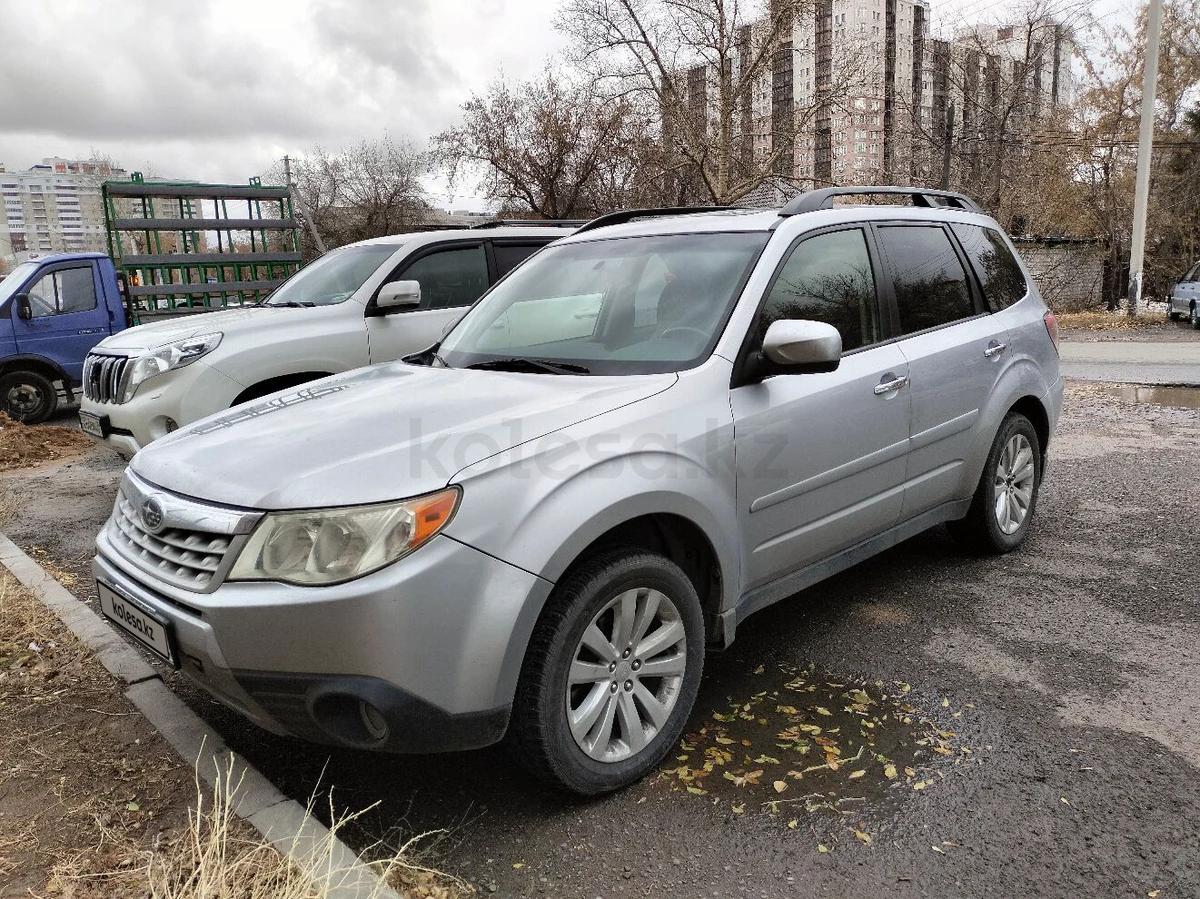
399 295
800 345
24 310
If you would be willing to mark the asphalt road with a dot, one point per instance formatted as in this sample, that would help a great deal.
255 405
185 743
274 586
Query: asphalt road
1047 704
1144 362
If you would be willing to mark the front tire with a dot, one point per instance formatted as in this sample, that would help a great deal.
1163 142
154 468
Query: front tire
1006 496
27 397
611 673
1194 317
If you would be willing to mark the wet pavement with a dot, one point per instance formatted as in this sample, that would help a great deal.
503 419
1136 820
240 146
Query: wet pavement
1133 361
925 724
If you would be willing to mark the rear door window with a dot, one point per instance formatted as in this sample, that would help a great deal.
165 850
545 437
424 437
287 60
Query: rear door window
930 283
509 255
998 271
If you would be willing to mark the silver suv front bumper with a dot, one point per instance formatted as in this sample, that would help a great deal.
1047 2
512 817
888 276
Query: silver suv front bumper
434 643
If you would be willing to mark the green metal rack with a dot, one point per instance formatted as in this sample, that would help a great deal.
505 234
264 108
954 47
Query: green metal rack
161 236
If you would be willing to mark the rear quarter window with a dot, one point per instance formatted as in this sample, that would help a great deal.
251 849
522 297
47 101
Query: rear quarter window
998 270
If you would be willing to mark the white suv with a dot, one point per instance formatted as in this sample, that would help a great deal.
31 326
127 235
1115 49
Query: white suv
368 302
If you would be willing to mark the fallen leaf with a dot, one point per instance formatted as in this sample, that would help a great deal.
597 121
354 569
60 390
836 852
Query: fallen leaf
697 791
821 847
759 670
889 771
780 786
863 836
738 808
855 775
793 824
132 807
821 710
922 784
938 849
518 865
945 703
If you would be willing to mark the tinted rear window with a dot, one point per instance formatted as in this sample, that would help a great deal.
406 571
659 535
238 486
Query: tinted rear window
1002 279
509 256
931 285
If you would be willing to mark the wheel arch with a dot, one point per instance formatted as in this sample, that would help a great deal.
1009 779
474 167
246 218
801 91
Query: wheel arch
40 364
276 383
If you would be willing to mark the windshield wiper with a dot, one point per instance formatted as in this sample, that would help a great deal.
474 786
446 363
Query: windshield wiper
295 305
520 363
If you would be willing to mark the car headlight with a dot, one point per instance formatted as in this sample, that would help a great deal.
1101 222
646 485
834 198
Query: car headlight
328 546
166 358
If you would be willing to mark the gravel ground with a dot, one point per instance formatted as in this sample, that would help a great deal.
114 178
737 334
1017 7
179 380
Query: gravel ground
1046 703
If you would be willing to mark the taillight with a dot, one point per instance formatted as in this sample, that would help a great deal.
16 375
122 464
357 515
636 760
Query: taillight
1051 328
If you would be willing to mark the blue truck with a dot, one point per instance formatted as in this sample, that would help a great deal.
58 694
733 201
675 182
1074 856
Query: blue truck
52 311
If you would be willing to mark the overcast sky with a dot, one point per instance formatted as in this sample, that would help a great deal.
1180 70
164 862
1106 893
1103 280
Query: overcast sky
218 90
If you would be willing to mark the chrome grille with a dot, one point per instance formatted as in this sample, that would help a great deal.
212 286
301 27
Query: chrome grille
103 377
186 558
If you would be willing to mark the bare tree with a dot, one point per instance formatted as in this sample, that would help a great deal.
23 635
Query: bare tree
706 70
551 146
369 190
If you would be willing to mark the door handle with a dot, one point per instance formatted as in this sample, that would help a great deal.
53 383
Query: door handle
995 349
890 386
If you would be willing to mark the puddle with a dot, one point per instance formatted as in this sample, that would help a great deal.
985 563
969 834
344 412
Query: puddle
1181 397
803 743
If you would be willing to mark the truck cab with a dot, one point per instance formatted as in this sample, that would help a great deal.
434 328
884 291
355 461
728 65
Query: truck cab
53 310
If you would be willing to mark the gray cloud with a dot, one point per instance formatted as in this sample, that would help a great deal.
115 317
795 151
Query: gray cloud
196 89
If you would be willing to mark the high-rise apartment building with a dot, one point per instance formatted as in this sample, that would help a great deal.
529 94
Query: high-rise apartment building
859 91
53 207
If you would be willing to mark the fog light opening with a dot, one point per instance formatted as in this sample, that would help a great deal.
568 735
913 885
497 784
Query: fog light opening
170 424
373 721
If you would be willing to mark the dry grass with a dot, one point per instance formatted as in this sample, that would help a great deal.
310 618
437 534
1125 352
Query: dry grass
1100 320
219 858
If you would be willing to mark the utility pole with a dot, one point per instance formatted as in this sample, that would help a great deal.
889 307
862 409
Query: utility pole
946 145
299 204
1141 197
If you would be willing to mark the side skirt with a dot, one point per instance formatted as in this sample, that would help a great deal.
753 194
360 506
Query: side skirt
793 582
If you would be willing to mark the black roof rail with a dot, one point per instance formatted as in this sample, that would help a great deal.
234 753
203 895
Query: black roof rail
621 216
530 223
812 200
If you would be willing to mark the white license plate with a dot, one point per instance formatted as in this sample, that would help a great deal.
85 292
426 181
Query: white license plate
149 629
90 424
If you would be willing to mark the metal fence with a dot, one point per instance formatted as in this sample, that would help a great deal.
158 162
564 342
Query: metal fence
186 247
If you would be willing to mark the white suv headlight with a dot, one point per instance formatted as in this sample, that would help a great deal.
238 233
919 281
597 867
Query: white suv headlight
166 358
328 546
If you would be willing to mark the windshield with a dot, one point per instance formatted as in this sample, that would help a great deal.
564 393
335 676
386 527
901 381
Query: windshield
333 278
13 281
629 305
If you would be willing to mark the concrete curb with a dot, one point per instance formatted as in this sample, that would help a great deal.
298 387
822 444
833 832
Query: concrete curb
283 822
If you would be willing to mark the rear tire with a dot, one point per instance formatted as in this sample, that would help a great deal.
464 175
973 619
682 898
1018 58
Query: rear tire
584 719
1006 497
27 397
1194 317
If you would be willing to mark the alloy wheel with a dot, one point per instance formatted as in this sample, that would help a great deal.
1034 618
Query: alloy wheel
1015 473
626 674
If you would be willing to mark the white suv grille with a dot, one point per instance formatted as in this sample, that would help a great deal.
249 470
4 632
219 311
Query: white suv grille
103 377
180 556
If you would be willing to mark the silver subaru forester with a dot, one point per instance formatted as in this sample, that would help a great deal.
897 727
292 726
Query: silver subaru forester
648 431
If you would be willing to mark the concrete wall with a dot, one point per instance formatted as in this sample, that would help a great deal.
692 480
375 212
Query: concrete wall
1070 274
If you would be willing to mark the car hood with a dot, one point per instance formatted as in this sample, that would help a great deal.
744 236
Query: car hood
246 319
379 433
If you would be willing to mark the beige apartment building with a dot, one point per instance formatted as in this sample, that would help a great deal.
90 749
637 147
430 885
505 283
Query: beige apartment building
860 90
53 207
